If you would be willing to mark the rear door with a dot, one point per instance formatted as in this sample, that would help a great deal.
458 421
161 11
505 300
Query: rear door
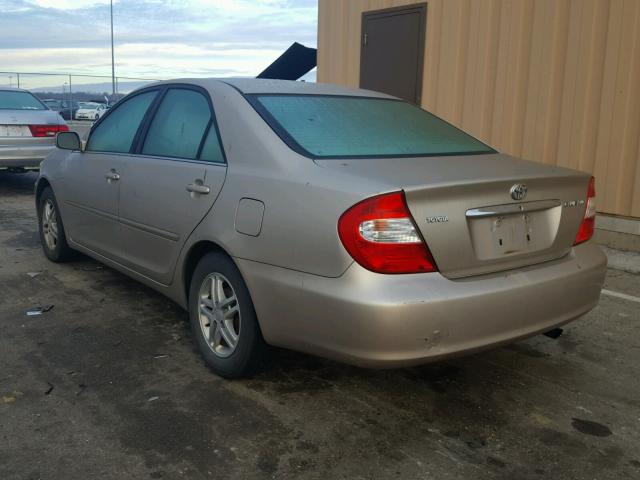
172 182
92 178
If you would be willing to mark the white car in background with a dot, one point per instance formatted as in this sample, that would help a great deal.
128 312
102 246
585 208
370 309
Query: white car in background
91 111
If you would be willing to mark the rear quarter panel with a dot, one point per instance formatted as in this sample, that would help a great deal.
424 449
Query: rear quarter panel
303 202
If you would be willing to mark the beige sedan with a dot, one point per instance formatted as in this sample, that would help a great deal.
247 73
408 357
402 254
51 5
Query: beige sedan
340 222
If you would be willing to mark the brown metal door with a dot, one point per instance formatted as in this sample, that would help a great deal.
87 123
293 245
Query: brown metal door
392 51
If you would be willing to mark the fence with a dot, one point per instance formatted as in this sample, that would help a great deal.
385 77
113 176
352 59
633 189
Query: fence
73 87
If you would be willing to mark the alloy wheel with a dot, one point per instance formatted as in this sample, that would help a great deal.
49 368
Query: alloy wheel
219 314
50 224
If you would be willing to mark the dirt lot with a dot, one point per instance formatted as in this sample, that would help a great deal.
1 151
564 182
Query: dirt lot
107 385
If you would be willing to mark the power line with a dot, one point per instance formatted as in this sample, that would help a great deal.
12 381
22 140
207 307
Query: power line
66 74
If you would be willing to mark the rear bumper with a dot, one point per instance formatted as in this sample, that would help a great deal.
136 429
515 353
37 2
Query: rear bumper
24 155
378 320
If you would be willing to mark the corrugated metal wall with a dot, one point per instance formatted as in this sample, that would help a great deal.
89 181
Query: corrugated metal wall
556 81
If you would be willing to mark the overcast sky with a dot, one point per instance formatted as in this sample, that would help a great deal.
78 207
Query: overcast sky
154 38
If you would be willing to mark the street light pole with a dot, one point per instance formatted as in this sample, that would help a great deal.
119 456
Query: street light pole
70 101
113 66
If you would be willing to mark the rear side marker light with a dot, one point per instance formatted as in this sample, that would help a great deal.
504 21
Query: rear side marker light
47 130
380 234
585 232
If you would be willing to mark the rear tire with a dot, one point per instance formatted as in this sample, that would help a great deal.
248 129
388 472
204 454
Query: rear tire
52 235
223 320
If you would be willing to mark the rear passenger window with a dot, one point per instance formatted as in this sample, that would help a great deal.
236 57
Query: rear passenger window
115 133
212 150
179 125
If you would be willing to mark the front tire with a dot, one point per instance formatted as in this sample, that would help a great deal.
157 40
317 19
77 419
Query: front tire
223 320
52 235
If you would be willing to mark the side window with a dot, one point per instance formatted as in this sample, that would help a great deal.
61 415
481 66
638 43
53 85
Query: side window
212 150
115 133
178 125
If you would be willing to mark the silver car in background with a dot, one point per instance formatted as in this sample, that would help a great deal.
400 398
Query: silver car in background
27 129
340 222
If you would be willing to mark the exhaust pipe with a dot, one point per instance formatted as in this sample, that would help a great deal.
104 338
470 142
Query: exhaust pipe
555 333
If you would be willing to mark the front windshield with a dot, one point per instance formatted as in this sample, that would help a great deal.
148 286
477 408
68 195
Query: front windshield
17 100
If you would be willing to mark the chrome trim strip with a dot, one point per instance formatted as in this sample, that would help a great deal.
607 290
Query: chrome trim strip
95 211
149 229
129 223
511 208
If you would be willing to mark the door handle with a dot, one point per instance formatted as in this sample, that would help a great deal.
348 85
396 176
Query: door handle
198 187
112 176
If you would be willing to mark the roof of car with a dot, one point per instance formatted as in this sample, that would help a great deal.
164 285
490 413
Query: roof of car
13 89
268 86
260 85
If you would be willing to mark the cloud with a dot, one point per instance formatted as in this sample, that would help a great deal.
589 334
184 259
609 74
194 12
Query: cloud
155 39
67 4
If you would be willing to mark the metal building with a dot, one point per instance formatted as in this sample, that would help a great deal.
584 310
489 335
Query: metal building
555 81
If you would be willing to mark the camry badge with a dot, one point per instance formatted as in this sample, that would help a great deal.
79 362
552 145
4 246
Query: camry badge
438 219
518 191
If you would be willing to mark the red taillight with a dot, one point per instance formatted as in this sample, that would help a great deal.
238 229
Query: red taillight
585 232
47 130
379 233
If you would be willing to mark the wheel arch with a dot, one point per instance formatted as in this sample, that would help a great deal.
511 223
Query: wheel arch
193 256
40 186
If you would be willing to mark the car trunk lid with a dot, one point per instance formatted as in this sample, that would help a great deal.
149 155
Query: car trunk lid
15 123
464 209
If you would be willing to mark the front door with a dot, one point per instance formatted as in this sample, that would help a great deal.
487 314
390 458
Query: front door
171 184
92 178
90 200
392 54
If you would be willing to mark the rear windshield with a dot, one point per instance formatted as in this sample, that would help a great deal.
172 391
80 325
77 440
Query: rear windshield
19 101
341 127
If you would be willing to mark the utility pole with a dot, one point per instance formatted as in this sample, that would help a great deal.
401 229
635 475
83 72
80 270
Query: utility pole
70 101
113 66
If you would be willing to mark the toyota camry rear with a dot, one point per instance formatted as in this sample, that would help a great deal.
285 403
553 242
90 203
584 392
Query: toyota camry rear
335 221
453 247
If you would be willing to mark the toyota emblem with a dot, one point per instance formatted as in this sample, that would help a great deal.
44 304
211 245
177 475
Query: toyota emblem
518 191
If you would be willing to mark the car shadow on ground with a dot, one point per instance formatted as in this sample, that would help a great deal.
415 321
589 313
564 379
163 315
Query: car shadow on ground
17 183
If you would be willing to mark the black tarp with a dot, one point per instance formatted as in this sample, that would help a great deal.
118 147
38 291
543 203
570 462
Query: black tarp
295 62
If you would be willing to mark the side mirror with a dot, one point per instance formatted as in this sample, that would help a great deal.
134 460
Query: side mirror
68 141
